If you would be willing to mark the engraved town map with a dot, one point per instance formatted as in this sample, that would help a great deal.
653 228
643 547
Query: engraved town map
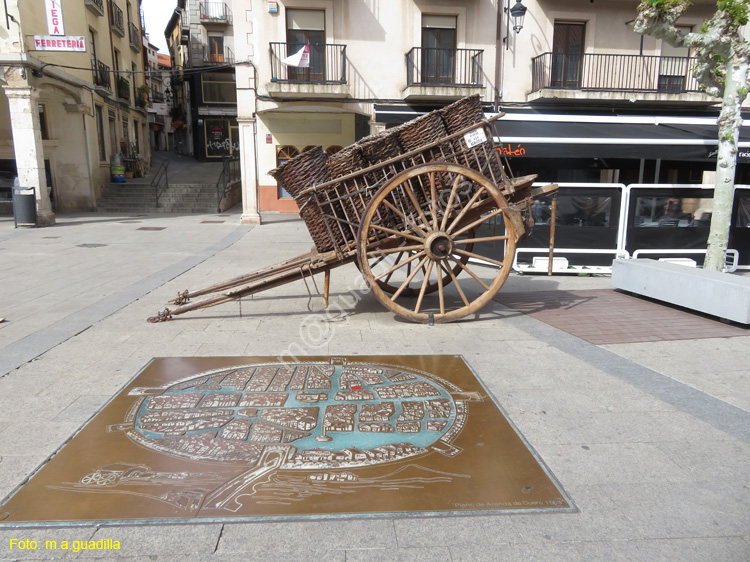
244 437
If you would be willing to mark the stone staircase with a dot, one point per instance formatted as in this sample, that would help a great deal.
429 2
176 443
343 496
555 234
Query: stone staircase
133 197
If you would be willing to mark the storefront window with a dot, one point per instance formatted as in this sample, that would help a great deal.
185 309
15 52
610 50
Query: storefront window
221 137
673 212
743 213
284 154
574 211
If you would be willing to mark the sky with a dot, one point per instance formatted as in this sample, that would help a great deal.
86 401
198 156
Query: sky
157 14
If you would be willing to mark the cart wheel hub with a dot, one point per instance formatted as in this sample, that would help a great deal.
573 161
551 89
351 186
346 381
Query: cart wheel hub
438 246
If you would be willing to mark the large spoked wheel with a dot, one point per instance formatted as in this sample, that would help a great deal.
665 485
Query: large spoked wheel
405 255
417 234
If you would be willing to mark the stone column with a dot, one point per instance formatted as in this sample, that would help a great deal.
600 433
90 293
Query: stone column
28 148
248 166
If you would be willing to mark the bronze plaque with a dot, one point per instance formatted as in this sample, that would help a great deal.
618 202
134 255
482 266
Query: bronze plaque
225 438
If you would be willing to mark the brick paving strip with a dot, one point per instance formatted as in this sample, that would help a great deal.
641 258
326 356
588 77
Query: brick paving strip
26 349
606 316
579 304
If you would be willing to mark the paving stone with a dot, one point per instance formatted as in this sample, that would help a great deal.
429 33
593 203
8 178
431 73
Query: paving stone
544 552
301 536
683 510
724 549
454 531
160 540
598 517
399 555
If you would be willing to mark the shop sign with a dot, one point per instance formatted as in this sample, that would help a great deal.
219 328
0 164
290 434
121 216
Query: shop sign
55 43
509 150
54 17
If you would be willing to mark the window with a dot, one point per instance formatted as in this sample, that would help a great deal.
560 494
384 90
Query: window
125 137
574 211
222 137
92 42
306 27
216 48
43 121
743 213
99 116
137 138
218 87
673 212
112 132
673 64
567 57
284 154
438 49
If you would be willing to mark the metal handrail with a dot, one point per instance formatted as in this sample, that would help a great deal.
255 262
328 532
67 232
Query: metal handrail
162 172
327 63
230 172
427 66
614 73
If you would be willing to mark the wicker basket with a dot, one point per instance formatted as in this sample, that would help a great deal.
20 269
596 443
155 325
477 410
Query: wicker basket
421 131
299 173
462 114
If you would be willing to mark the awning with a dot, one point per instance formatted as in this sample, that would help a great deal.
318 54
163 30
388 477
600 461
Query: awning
536 135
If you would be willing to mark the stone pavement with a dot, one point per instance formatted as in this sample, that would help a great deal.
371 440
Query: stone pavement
650 439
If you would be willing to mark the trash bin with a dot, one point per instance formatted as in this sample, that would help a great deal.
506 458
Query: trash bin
24 206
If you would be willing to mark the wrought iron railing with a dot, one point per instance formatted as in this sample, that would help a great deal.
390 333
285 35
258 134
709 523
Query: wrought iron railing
613 73
123 87
327 63
157 96
224 57
116 19
99 4
101 74
230 172
427 66
135 37
215 12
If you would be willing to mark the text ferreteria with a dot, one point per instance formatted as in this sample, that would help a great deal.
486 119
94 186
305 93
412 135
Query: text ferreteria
75 546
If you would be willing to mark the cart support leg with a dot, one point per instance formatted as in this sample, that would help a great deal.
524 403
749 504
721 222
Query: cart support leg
552 234
326 287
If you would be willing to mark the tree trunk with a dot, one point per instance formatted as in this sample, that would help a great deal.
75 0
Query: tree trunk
730 120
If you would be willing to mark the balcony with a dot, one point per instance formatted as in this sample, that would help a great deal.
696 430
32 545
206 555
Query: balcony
101 76
157 96
615 78
443 74
225 57
184 29
135 37
215 12
96 7
123 88
325 77
116 21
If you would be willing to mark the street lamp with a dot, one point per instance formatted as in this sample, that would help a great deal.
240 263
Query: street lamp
517 13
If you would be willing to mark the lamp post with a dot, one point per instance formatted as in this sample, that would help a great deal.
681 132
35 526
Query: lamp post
516 13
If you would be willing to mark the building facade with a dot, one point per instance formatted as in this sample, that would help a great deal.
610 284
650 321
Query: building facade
72 78
586 98
201 41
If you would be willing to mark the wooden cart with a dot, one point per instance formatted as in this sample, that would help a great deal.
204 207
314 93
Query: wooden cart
413 224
